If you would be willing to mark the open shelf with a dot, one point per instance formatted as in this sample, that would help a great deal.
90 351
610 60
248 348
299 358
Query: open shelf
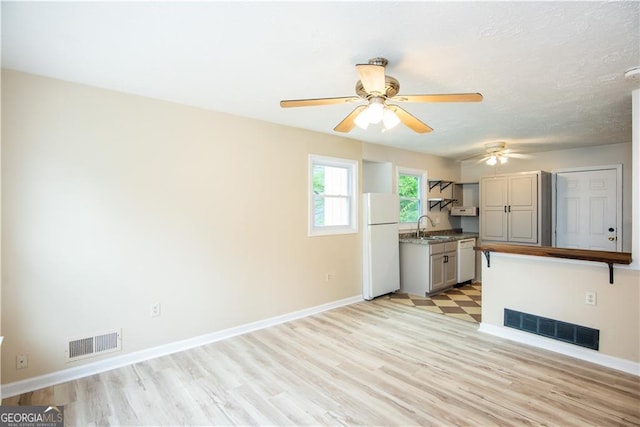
441 203
443 184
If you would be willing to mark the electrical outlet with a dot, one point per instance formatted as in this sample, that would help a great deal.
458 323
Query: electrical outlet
329 277
155 310
22 361
590 298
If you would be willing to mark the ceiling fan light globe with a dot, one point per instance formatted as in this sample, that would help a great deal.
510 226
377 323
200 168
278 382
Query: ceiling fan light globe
362 120
491 161
375 112
503 159
390 119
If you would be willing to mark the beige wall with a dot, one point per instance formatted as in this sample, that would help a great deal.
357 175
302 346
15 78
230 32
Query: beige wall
436 167
556 289
112 202
635 152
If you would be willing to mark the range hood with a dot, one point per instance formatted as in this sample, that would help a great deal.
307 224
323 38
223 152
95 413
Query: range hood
464 211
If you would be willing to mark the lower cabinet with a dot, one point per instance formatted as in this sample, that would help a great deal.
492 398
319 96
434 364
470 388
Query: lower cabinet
427 269
443 264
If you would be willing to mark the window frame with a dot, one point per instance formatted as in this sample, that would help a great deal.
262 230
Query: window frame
352 187
422 193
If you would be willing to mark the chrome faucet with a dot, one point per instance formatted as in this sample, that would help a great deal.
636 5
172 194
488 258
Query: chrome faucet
418 225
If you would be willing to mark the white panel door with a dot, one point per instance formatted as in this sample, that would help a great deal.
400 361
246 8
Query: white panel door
587 210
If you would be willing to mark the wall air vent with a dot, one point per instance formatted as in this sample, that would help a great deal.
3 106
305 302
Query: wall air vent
92 346
550 328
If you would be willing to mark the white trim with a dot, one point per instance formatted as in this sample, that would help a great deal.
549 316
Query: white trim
592 356
352 166
619 201
423 193
58 377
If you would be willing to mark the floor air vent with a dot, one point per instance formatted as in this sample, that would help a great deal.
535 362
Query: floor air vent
550 328
92 346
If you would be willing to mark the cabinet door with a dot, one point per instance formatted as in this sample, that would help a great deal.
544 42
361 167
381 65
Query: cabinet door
451 269
493 210
523 208
437 272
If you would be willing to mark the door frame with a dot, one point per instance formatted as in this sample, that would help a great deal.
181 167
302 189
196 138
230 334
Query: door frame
554 204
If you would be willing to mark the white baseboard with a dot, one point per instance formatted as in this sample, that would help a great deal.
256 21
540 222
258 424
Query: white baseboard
562 348
58 377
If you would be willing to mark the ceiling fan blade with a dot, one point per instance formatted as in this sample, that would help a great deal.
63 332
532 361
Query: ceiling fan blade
518 155
409 120
348 123
444 97
475 156
372 78
288 103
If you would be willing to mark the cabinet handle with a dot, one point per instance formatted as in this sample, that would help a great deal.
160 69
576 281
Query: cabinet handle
509 208
505 209
446 258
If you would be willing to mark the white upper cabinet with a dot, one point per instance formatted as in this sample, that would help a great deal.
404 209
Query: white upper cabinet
515 208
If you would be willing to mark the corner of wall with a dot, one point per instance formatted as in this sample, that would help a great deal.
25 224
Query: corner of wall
635 181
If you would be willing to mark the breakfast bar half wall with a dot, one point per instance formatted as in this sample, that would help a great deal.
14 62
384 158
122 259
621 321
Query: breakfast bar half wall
559 296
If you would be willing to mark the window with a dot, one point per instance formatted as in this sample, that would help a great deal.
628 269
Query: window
410 193
332 195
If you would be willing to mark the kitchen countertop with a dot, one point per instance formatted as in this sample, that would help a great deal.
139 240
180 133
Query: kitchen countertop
444 236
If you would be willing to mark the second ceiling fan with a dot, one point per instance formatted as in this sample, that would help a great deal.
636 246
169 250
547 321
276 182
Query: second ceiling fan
376 89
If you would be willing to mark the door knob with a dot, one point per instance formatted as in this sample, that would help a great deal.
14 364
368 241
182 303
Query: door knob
611 229
611 238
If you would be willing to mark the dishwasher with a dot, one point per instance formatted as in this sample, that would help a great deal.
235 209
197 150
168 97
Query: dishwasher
466 260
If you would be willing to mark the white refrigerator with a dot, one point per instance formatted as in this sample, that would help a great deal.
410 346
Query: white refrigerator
381 248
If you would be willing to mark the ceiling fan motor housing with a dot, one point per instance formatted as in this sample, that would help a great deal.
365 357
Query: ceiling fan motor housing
391 88
495 147
378 61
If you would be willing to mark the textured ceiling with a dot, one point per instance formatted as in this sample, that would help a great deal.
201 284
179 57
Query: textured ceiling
552 73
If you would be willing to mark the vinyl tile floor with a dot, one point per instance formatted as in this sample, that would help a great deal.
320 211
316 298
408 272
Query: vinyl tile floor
463 303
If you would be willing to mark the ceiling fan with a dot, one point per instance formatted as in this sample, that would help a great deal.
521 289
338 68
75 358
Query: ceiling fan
497 152
376 89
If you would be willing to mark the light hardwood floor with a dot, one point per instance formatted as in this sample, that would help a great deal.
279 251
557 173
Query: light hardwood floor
370 363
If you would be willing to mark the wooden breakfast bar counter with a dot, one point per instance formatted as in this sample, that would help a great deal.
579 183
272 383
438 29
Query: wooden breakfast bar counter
608 258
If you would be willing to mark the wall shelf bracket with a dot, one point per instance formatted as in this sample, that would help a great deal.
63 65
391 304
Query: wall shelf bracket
487 255
442 184
441 203
610 273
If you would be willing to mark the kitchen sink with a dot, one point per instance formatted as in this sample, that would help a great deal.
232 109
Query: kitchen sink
435 237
